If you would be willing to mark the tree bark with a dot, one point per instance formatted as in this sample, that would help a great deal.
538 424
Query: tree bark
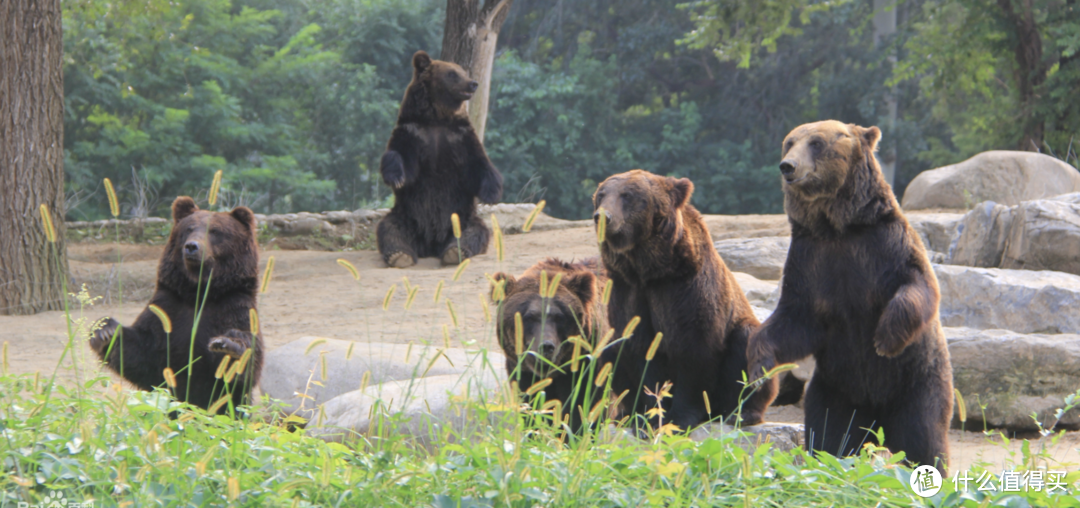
32 270
885 27
1030 70
469 40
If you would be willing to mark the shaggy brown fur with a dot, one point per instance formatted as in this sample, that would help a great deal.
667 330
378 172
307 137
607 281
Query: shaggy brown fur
549 323
859 294
437 166
205 248
664 268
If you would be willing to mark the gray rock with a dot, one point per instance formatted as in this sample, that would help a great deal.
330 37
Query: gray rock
296 368
982 236
936 229
1014 375
1044 235
760 257
782 436
512 217
1019 300
1005 177
755 289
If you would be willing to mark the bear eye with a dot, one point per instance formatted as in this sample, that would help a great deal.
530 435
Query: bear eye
453 75
817 144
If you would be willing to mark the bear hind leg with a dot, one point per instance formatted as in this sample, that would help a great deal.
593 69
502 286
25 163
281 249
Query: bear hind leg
920 428
832 424
475 236
396 243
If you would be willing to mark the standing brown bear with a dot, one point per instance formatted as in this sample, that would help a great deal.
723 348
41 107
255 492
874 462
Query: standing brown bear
858 294
665 270
547 325
210 263
437 166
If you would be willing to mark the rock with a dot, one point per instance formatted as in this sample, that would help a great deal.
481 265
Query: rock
288 371
423 408
512 217
936 229
981 236
755 289
1044 235
1018 300
760 257
1002 176
1014 375
783 436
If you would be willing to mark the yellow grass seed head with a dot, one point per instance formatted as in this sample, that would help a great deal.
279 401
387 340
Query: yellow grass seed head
654 346
170 377
499 253
961 406
348 352
543 283
213 409
601 226
597 410
253 319
537 386
365 379
311 345
601 378
231 373
708 406
576 339
114 205
553 286
532 216
438 291
244 359
606 297
487 309
460 269
267 274
47 223
166 323
445 336
411 297
498 294
389 295
351 268
405 281
6 365
576 357
604 340
322 366
519 335
453 315
456 222
222 367
629 330
234 488
215 186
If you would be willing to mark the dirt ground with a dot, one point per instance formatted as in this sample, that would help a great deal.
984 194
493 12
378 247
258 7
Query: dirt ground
310 294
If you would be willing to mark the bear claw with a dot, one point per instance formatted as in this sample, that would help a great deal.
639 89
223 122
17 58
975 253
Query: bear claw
101 337
226 346
400 260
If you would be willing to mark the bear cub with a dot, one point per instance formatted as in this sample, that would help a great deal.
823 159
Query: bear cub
664 269
860 296
548 323
208 253
437 166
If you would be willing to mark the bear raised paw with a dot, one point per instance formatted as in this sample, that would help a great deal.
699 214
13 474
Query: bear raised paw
215 249
436 166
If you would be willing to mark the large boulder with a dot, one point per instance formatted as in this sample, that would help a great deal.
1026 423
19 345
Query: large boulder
1018 300
1005 177
295 373
982 235
1045 235
1006 376
761 257
781 436
756 290
936 229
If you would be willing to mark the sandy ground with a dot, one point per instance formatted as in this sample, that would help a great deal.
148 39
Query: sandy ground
310 294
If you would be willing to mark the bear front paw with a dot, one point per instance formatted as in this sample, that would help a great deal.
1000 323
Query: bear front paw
100 339
759 367
393 169
888 348
226 346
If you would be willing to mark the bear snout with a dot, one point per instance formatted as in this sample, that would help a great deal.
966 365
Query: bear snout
548 349
596 216
192 250
787 168
472 86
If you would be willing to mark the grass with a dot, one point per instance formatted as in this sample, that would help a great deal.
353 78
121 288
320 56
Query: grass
94 441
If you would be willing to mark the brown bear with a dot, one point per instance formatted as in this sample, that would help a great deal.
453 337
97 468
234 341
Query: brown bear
548 323
664 268
860 296
210 268
437 166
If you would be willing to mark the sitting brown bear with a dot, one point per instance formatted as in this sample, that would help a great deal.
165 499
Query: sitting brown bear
665 270
210 265
859 294
548 323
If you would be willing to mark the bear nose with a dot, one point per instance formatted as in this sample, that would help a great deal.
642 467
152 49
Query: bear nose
191 248
596 216
473 86
548 349
787 167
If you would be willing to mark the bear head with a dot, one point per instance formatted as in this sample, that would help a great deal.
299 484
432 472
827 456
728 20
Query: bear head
818 158
439 89
219 247
547 323
637 205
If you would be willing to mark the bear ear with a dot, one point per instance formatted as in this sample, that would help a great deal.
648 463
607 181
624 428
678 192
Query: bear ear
182 207
681 189
582 285
245 216
508 285
421 61
870 136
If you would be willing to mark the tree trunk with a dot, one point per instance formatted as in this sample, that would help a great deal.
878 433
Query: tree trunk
32 270
469 40
885 27
1030 71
